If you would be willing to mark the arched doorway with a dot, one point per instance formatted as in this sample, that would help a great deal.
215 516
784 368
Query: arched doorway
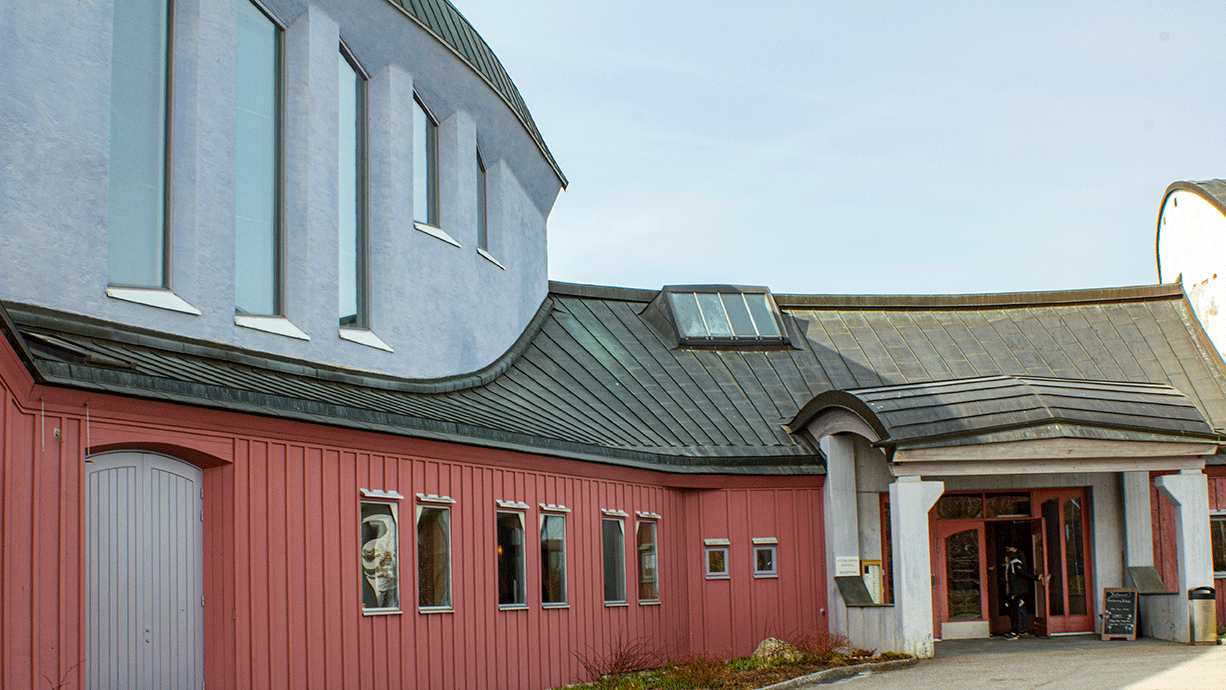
144 573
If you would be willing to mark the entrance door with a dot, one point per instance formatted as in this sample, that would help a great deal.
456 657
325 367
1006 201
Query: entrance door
1070 604
144 572
960 591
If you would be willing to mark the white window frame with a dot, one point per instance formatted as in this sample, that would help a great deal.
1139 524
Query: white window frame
620 520
549 511
1216 516
711 546
440 503
655 555
376 610
520 516
770 545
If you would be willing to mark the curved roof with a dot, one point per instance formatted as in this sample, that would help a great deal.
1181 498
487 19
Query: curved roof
441 19
1213 191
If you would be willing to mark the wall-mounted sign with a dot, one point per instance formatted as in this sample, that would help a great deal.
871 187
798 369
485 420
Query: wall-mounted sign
845 566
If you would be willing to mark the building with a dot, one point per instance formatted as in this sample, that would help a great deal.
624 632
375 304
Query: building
1191 249
483 476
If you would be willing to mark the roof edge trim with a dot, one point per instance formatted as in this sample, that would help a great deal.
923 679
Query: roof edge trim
1135 293
842 400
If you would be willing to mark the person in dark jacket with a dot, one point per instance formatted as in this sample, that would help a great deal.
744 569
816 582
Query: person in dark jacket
1017 579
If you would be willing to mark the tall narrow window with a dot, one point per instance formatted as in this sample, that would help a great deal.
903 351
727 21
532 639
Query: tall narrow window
351 192
512 571
257 164
136 220
483 239
553 559
649 578
433 557
614 560
425 166
380 557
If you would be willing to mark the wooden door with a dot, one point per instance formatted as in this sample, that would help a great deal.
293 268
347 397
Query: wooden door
1038 543
1068 562
960 594
144 570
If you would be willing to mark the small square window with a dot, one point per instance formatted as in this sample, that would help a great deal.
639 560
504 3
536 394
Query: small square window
764 563
717 562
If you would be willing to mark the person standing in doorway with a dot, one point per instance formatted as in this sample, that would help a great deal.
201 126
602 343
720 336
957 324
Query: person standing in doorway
1017 585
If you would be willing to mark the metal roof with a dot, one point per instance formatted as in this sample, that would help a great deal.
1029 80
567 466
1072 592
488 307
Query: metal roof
441 19
592 380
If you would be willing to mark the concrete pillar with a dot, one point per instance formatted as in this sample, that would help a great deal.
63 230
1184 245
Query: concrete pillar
842 523
1138 520
910 501
1189 492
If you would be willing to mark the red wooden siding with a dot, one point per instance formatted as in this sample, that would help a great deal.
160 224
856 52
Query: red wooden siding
281 562
1165 547
1217 501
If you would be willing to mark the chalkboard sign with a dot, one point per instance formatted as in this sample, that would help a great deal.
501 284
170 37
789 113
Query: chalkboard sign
1119 614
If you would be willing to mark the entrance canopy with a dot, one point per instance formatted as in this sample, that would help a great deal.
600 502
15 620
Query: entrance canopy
939 427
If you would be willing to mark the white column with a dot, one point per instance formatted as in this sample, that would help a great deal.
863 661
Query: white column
910 501
842 524
1189 492
1138 519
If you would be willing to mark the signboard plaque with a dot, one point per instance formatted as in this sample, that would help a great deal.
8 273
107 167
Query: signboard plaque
1119 613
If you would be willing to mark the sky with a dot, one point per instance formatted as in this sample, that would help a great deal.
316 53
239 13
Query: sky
865 147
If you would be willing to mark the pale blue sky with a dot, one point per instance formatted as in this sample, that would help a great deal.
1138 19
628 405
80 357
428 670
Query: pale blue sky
865 147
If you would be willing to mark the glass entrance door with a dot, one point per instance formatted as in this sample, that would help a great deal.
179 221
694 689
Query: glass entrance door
1067 560
960 579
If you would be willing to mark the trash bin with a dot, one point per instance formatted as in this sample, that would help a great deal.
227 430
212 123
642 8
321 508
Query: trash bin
1202 615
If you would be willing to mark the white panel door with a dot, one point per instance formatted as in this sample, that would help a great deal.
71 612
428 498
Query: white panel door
144 573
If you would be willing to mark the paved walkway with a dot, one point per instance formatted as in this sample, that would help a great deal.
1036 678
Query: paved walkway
1076 662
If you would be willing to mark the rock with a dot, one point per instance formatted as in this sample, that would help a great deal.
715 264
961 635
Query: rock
773 650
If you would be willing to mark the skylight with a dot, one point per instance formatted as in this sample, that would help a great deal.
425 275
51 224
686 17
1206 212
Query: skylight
724 314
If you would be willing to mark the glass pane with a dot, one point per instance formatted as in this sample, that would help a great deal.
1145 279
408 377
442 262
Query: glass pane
1217 536
614 561
763 318
256 164
648 578
553 559
738 315
1055 587
764 560
433 557
135 222
512 586
959 507
689 318
349 186
1040 599
717 561
425 167
380 548
962 575
1007 505
482 222
713 314
1074 558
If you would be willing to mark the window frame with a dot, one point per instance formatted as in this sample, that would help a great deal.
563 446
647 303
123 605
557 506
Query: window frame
1218 516
654 549
521 518
766 545
393 511
619 559
432 214
712 546
483 225
672 292
555 513
278 212
361 173
443 505
167 156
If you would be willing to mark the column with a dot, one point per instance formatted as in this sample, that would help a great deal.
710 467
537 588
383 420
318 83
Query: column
910 500
1189 492
1138 520
842 525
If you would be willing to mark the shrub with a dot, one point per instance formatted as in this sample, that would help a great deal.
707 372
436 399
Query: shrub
823 645
624 656
696 671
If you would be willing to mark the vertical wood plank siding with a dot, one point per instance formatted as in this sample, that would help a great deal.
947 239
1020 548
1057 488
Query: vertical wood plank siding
282 574
1217 501
1165 546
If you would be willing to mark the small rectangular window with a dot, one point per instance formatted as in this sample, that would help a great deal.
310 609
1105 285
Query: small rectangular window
512 573
717 562
1217 535
425 166
649 580
433 557
380 541
764 560
483 240
257 204
351 191
614 538
553 559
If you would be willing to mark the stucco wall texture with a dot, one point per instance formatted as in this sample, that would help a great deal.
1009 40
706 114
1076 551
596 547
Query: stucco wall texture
443 309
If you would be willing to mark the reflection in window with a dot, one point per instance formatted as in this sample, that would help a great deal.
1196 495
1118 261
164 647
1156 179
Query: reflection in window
257 163
959 507
649 584
433 557
136 223
725 315
1055 586
614 560
717 562
351 192
512 574
380 557
764 561
425 166
553 559
1074 557
1007 505
962 576
1217 536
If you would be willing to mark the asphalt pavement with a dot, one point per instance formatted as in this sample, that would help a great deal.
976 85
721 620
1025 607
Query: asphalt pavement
1080 662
